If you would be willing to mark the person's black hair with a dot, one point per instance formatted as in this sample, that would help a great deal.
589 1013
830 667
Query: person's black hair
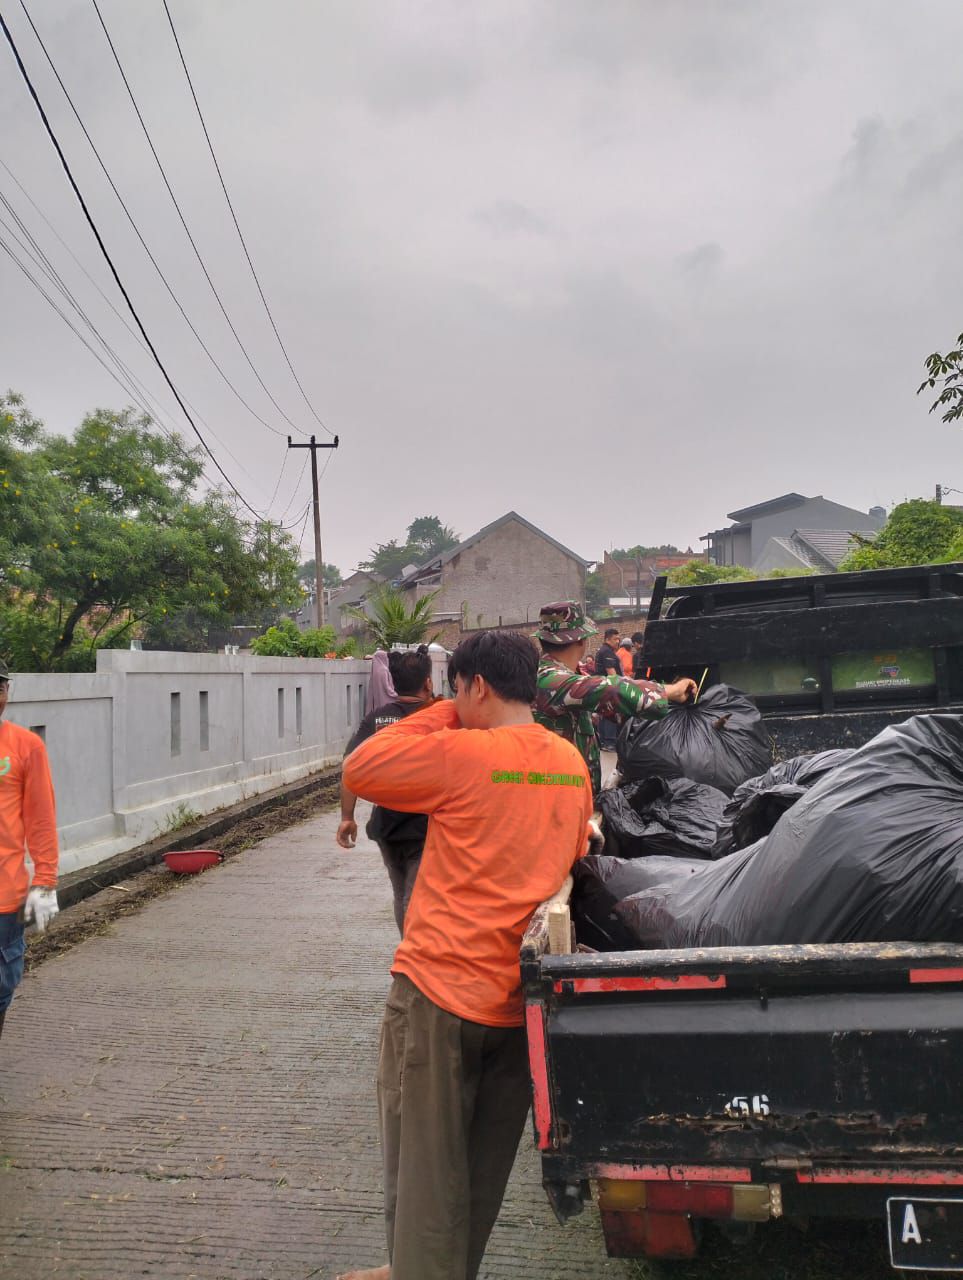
611 631
638 637
506 660
409 671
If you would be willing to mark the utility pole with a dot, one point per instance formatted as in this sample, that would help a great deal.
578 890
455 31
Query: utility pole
939 493
318 563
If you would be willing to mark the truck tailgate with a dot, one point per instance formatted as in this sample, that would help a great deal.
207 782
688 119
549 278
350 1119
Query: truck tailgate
756 1057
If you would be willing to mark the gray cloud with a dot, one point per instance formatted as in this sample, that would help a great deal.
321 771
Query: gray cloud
508 217
721 238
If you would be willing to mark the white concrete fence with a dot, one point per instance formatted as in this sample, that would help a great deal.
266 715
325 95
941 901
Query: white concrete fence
151 737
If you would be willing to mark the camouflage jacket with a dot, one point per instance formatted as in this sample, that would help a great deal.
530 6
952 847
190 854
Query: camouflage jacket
565 701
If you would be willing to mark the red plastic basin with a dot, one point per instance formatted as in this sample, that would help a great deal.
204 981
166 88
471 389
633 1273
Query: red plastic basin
185 862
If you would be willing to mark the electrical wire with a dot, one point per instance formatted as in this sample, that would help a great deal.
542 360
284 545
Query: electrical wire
158 408
187 231
137 232
40 259
123 375
114 272
237 225
303 528
297 486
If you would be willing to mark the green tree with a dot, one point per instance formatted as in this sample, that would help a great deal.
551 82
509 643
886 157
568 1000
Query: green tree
699 573
948 371
920 531
388 559
392 622
596 594
630 553
105 536
426 537
330 573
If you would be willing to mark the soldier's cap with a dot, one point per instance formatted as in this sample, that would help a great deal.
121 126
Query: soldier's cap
564 623
4 673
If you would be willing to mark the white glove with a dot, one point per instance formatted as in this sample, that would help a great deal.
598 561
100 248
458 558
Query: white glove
41 907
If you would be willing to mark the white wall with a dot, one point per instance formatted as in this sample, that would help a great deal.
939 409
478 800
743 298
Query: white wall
121 769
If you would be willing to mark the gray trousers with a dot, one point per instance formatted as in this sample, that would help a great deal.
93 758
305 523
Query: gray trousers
452 1099
402 858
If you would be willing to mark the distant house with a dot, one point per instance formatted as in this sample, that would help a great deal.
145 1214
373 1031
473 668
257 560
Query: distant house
624 577
791 531
502 574
352 593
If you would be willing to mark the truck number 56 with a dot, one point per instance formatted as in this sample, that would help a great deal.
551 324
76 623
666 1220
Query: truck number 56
757 1105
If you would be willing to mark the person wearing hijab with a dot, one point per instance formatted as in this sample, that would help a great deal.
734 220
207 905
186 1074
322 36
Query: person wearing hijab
381 687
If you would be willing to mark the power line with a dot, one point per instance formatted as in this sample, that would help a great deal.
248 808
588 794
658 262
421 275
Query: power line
158 408
237 226
134 227
110 262
297 486
132 387
183 221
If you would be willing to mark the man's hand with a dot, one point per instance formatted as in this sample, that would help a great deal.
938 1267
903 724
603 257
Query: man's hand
41 907
347 833
681 690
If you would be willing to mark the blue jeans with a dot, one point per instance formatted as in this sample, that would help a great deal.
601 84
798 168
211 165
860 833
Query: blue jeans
11 956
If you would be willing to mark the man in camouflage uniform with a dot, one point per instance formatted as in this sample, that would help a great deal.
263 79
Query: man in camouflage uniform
565 699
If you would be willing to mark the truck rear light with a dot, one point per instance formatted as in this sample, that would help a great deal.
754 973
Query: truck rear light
743 1202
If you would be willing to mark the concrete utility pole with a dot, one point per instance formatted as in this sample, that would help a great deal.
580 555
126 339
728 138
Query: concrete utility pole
939 493
318 563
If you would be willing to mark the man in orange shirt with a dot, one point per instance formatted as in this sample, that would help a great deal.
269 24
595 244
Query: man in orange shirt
508 804
27 822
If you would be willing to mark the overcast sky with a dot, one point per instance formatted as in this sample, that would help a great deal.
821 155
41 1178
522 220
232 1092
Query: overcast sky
620 265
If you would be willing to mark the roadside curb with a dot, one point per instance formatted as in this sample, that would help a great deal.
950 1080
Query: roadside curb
78 885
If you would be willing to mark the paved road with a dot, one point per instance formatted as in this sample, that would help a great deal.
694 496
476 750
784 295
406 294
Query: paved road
191 1094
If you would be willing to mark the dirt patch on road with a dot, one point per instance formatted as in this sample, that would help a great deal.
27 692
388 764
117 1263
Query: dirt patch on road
97 913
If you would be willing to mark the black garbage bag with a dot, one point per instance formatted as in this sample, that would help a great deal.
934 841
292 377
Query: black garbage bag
601 881
872 853
661 816
758 804
719 740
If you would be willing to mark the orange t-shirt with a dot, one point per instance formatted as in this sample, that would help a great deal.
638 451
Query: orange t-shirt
507 810
27 815
627 660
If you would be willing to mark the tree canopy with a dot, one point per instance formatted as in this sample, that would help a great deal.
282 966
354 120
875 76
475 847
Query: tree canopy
330 573
920 531
640 552
699 573
104 533
425 537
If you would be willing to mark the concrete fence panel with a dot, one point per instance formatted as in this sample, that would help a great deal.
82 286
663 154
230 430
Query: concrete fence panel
153 737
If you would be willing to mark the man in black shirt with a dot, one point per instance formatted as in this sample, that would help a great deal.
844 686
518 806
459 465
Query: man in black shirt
607 663
399 836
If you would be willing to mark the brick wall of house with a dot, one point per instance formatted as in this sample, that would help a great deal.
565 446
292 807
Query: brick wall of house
619 577
507 577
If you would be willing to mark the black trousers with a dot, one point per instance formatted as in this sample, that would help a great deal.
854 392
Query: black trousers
402 858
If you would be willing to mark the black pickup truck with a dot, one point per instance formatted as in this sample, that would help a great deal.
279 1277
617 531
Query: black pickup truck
744 1084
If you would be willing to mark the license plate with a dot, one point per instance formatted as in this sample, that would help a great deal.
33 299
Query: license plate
925 1234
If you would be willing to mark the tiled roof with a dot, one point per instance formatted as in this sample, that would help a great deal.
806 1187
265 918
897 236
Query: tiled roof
830 546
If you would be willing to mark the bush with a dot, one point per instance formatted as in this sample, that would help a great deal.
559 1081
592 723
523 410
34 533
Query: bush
286 641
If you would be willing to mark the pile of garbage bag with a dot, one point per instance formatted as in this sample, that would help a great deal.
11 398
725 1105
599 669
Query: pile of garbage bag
602 882
757 805
871 851
662 816
719 740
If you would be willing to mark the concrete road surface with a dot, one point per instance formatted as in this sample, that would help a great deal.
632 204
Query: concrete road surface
192 1093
